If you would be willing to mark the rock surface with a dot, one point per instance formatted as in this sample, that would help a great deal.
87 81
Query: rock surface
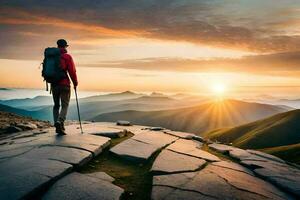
80 186
36 164
218 183
140 147
171 162
20 176
32 160
133 150
269 167
192 148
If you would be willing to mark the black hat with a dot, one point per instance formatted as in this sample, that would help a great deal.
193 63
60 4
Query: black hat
62 43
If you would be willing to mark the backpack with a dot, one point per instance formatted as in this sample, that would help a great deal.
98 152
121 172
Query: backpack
52 70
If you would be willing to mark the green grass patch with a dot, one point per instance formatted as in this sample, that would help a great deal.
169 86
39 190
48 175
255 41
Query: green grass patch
134 178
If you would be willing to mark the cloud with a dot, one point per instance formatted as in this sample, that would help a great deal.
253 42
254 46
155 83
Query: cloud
252 26
280 64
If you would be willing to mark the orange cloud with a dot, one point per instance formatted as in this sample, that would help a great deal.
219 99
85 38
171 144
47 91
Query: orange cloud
281 64
22 17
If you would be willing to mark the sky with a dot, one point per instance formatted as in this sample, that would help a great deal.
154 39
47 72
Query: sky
249 46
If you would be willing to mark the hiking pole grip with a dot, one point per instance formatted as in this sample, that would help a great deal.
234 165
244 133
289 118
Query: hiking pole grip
78 110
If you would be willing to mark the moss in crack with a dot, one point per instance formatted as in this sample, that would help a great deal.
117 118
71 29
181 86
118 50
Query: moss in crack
134 178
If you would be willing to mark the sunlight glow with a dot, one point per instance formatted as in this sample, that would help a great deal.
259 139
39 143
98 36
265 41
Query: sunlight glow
219 89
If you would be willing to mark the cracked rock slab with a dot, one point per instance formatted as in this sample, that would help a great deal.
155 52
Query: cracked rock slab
91 143
155 138
20 176
168 193
14 152
111 133
76 186
180 134
191 148
233 166
68 155
171 162
221 148
242 154
220 183
140 147
280 174
265 155
134 150
98 129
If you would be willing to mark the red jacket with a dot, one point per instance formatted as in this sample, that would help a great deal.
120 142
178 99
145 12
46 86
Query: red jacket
67 64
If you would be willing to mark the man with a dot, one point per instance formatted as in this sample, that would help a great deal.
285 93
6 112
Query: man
61 91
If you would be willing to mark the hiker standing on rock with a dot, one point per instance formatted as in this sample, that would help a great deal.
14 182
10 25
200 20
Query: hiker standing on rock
57 65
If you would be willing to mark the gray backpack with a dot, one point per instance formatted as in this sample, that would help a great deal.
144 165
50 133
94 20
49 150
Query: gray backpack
52 70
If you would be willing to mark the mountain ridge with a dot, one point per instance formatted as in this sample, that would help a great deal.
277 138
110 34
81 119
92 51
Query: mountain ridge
198 118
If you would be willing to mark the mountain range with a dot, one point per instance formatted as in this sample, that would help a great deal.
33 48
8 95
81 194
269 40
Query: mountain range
197 119
270 128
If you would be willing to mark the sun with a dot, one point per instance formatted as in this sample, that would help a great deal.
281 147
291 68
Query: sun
218 89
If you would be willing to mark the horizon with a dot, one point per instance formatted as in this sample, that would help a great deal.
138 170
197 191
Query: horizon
190 46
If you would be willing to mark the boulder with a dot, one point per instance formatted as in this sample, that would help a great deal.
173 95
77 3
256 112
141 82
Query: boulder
27 126
12 129
123 123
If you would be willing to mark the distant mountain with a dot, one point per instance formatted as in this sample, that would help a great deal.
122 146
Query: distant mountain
152 99
197 119
145 103
44 114
112 97
6 108
90 109
278 135
295 103
157 94
28 103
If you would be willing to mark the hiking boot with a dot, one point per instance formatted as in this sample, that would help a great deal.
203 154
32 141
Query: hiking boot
62 126
61 133
59 128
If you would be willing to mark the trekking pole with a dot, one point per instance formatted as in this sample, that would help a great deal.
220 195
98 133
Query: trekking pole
78 110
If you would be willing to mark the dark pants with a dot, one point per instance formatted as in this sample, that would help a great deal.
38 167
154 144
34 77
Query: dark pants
61 96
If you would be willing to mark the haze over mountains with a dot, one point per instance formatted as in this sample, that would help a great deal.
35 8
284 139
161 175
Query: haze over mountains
181 112
197 119
40 107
